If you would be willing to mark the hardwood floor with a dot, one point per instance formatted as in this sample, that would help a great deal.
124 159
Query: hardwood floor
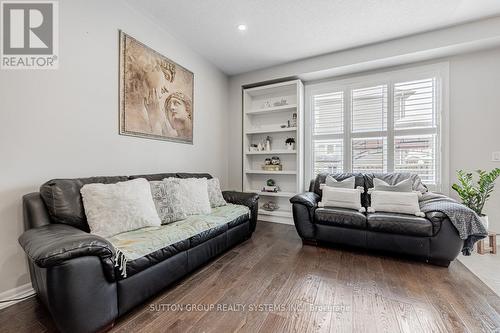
284 287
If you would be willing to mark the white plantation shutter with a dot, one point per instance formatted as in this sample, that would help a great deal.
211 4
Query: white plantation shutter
369 109
328 128
369 118
414 104
328 113
416 154
328 155
386 125
369 155
415 113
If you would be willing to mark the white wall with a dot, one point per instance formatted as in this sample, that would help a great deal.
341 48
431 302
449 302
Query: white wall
474 96
475 118
64 123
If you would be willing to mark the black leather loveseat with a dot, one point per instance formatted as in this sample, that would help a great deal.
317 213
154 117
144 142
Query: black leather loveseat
432 238
73 272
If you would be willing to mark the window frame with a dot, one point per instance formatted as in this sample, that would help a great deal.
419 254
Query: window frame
440 71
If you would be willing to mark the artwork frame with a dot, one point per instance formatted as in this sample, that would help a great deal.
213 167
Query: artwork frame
156 94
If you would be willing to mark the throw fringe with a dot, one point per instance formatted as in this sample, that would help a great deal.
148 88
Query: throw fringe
121 263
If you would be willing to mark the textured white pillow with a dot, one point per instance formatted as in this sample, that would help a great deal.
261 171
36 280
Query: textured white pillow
215 193
342 198
115 208
395 202
168 200
194 196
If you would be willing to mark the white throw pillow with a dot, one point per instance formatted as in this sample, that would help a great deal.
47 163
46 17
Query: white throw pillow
115 208
215 193
167 199
194 196
395 202
342 198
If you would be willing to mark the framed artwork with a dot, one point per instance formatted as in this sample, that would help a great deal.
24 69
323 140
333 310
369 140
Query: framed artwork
156 94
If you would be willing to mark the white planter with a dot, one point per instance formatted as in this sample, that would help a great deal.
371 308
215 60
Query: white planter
484 219
290 146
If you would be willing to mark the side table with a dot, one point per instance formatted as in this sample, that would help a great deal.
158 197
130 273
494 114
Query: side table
492 248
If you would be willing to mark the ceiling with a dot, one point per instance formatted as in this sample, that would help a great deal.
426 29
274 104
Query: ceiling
281 31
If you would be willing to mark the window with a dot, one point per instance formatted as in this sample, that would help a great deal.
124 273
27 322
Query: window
328 122
378 123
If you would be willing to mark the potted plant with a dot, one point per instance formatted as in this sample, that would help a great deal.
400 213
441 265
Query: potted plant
475 195
290 143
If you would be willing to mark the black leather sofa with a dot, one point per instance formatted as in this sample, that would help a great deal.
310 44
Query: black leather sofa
73 272
432 239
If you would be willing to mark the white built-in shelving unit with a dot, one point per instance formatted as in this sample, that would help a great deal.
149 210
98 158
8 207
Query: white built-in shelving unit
262 118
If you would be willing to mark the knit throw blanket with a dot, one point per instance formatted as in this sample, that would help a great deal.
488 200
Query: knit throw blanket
135 244
466 221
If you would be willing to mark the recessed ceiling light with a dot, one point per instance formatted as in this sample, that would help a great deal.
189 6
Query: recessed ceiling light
242 27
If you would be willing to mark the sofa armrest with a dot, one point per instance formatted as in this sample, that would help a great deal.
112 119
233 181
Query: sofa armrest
309 199
241 198
251 200
54 244
436 216
303 208
437 219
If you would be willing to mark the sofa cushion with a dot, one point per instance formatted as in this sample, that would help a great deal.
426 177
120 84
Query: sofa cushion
136 250
64 202
154 177
359 181
193 175
401 224
161 176
343 217
237 221
205 235
141 263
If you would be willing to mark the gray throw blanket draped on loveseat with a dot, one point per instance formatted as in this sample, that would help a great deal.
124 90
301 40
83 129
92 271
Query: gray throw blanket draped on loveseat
466 221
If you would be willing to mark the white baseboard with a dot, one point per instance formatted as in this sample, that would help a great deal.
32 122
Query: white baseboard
276 219
18 292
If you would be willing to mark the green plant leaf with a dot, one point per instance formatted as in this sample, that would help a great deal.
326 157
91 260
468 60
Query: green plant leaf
475 195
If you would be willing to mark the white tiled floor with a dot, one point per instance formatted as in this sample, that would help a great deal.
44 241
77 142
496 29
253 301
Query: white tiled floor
486 267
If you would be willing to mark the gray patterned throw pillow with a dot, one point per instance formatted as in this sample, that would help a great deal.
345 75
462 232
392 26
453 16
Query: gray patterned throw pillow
215 193
168 200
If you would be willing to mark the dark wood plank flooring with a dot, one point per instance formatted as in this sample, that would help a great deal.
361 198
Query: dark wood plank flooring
287 287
